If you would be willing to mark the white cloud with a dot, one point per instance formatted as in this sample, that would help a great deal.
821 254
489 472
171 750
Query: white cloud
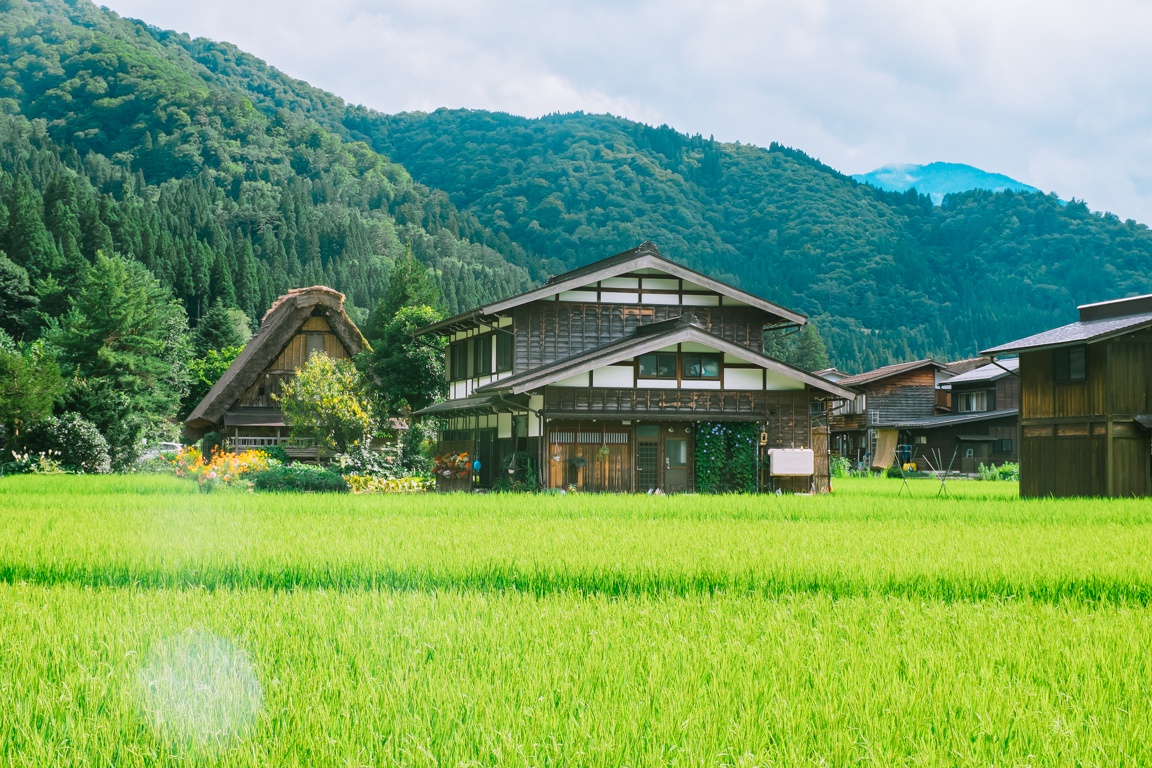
1049 93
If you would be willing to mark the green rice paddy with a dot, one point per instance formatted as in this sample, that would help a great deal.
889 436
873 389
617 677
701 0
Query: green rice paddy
144 623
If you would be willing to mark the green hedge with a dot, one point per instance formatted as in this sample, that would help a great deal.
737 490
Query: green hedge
299 477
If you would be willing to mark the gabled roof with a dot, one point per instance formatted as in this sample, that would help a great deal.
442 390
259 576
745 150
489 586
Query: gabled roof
643 256
949 420
991 372
279 324
887 371
1080 332
649 338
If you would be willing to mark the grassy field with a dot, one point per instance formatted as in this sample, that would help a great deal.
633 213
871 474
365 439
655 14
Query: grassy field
143 623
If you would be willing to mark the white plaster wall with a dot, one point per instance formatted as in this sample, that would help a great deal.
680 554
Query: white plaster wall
612 376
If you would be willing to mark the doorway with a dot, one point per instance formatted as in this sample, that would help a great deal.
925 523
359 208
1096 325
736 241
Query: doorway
664 458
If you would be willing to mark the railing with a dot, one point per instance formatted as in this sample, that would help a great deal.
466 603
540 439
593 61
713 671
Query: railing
299 446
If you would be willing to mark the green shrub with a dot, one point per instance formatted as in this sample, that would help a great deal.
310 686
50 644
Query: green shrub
276 452
211 443
73 441
1009 471
840 466
299 478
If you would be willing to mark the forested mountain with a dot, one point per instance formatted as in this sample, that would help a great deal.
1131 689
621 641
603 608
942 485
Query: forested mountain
887 276
232 181
117 139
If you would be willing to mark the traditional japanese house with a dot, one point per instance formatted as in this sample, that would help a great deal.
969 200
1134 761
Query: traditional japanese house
240 406
981 429
603 377
893 393
1086 403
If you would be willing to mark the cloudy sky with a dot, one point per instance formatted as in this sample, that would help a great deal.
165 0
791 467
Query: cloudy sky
1052 93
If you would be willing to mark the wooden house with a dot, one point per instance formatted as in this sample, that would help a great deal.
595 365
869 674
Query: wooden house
240 405
1086 403
980 428
886 395
601 377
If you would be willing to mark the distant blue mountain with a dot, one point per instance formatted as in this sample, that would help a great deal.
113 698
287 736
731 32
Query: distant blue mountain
939 179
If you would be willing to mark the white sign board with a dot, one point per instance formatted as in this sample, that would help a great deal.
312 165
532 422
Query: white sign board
792 462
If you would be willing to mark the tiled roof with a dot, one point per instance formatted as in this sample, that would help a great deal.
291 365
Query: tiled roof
884 372
1080 332
987 372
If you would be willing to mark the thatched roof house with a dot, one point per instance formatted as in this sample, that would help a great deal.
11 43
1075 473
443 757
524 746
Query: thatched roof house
240 404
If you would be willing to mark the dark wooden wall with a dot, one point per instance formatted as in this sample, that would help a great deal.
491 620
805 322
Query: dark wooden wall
547 331
910 395
1080 438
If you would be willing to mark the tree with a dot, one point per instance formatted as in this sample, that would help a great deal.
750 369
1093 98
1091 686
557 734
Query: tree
204 372
124 343
409 285
17 300
405 372
809 352
220 328
804 350
30 383
325 402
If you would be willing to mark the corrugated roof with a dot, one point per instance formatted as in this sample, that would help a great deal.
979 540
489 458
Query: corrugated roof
948 420
986 372
1080 332
882 373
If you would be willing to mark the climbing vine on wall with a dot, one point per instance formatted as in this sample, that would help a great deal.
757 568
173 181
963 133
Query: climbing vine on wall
726 457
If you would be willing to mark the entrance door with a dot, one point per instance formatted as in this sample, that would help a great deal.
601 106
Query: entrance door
974 454
675 464
663 458
647 458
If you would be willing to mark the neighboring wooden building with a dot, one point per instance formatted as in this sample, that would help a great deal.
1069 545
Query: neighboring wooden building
240 405
1086 403
602 376
887 395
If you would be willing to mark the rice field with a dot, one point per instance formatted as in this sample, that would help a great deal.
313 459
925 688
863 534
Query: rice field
144 623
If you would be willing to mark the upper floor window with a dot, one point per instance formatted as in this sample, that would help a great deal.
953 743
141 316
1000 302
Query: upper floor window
701 365
458 361
658 365
482 355
504 351
690 365
971 402
1068 364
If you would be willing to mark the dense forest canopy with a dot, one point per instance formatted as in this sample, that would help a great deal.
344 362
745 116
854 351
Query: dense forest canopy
232 182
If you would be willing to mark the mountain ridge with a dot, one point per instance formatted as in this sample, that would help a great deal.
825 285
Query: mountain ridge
492 202
939 179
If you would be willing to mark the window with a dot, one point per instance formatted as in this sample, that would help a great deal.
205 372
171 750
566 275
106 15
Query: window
315 343
482 355
971 402
658 365
675 453
1068 364
458 361
504 351
1002 446
701 365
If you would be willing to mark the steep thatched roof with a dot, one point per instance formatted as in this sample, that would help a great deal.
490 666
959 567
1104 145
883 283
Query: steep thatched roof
280 323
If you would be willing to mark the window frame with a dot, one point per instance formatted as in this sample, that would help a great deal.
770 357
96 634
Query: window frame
719 359
657 375
458 360
1063 358
482 355
505 352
